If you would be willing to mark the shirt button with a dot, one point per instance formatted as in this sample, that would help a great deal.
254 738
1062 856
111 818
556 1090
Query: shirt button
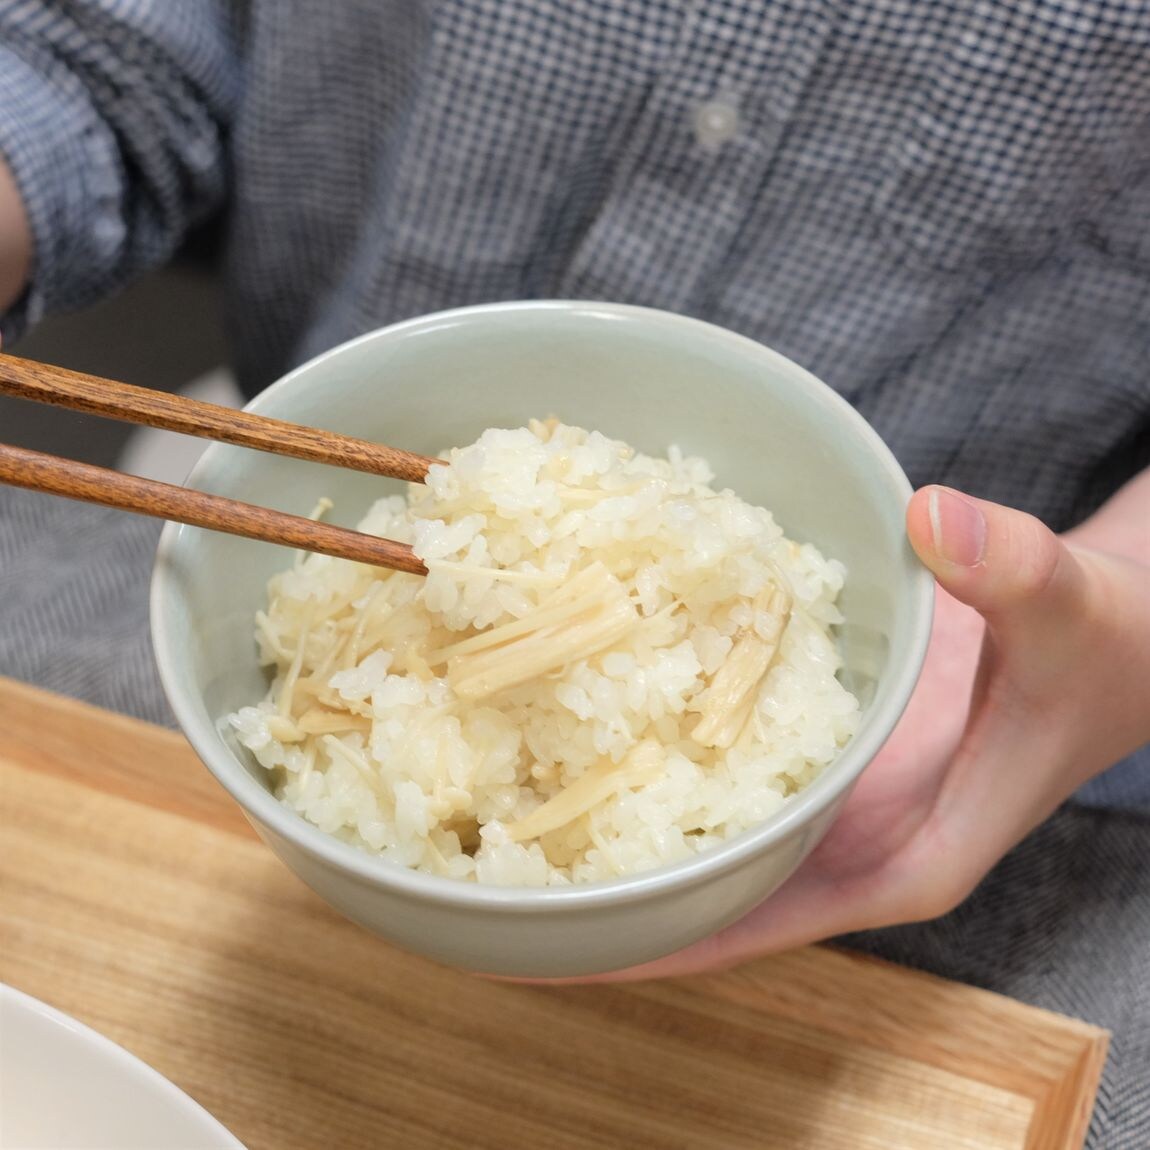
716 121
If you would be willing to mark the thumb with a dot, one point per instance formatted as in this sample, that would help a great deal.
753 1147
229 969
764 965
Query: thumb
1035 597
1007 565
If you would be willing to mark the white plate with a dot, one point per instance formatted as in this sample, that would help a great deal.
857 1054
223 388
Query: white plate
65 1087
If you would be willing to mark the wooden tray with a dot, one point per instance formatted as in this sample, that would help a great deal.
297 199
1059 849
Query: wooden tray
134 896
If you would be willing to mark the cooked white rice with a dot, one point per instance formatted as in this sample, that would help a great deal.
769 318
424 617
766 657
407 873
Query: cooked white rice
663 680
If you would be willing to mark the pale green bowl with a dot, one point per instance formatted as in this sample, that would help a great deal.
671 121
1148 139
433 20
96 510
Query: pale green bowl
770 430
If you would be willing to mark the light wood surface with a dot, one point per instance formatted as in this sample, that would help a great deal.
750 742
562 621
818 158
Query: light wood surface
134 896
77 391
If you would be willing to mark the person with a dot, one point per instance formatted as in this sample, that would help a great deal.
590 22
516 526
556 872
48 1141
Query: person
939 209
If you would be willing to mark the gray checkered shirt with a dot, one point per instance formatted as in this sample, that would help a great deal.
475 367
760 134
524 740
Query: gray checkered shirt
941 208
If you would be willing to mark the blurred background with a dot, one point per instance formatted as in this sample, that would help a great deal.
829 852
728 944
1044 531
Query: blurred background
164 332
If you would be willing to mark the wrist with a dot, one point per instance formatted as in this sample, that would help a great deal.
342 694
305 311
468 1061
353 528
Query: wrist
1121 526
1106 717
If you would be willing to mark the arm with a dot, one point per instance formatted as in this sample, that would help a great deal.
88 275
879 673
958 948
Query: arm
113 120
15 241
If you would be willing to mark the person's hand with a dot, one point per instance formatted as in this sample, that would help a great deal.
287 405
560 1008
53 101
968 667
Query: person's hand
1034 682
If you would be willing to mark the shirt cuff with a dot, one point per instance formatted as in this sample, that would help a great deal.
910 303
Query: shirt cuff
66 165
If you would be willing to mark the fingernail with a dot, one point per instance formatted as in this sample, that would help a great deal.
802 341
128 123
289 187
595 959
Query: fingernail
958 528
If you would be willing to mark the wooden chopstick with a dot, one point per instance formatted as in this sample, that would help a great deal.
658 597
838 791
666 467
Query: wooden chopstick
33 469
46 383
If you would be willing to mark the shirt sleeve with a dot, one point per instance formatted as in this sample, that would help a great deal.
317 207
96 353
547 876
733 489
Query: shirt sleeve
113 120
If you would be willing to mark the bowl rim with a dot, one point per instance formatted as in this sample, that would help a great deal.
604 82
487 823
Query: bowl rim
98 1047
799 811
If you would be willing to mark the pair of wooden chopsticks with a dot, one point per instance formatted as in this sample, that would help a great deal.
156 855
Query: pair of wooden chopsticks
45 383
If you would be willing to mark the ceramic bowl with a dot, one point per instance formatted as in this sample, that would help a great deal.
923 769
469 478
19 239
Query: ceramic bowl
770 430
64 1086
